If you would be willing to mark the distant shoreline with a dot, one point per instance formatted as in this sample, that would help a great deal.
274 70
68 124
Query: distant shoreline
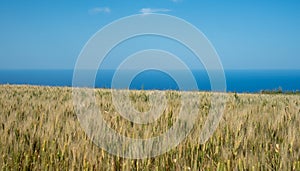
270 92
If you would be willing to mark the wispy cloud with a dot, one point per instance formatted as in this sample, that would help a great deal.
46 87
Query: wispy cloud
153 10
98 10
176 1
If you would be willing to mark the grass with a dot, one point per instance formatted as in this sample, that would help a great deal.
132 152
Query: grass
40 131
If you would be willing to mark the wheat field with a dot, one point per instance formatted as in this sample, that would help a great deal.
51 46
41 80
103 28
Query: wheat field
40 131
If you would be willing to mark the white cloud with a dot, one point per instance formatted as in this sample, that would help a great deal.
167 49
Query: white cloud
97 10
153 10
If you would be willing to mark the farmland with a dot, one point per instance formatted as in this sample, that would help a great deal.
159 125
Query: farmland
39 130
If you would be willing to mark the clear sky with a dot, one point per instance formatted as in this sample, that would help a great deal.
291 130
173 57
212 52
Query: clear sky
49 34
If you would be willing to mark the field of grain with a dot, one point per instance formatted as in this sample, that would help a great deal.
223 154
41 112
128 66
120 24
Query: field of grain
39 130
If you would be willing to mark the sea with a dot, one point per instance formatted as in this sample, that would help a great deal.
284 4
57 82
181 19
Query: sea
241 81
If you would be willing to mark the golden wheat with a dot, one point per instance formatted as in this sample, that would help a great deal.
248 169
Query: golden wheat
39 130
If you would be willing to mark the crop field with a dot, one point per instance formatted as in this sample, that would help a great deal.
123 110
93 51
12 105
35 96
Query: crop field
39 130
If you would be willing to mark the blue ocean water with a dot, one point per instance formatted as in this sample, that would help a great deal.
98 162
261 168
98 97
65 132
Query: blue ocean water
236 80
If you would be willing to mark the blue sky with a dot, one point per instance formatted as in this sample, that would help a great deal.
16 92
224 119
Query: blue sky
49 34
